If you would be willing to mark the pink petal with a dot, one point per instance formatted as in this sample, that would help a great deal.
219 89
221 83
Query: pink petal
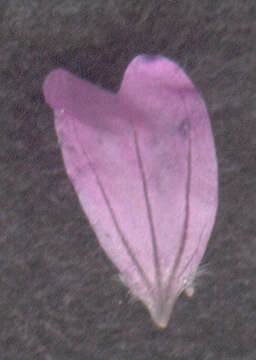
143 164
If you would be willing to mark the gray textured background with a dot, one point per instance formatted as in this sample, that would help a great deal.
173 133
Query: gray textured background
60 297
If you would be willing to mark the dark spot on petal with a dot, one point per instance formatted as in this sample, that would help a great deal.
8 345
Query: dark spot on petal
153 142
184 128
68 147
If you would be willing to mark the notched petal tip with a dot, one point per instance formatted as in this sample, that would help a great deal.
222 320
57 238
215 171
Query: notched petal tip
156 98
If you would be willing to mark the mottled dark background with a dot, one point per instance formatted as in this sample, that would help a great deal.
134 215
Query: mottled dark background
60 298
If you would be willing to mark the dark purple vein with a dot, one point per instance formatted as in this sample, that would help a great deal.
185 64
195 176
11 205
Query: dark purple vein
185 223
150 219
114 218
193 255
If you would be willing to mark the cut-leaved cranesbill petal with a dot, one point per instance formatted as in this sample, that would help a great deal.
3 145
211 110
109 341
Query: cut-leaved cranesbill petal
143 164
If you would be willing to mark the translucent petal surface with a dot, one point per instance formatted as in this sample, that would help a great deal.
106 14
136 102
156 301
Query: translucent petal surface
143 164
